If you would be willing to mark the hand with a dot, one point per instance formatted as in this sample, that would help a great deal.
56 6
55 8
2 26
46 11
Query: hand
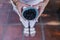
41 6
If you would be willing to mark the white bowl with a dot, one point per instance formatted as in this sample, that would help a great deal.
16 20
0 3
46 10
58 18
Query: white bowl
31 2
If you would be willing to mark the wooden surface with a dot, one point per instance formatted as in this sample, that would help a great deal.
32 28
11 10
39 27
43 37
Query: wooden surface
12 29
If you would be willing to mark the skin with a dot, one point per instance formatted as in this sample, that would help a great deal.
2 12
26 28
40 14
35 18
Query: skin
41 6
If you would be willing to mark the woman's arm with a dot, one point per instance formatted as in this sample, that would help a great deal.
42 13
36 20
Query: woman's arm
41 6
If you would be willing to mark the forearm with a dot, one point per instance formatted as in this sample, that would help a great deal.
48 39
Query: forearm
42 7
